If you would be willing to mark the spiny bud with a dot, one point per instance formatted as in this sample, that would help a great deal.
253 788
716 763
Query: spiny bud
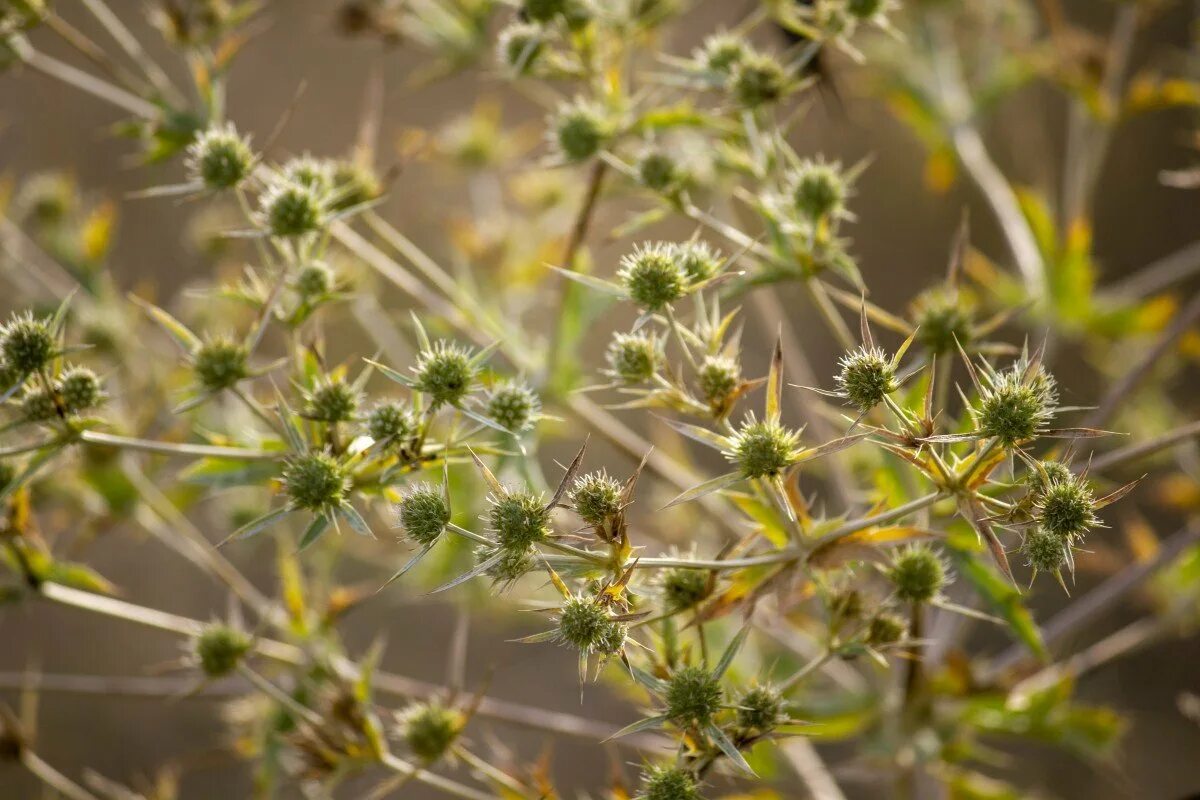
612 638
520 519
763 449
698 260
652 276
634 357
580 130
668 783
424 514
38 404
444 373
1044 550
760 709
758 79
335 401
80 389
1015 407
597 497
583 623
818 190
316 482
511 565
514 406
717 379
220 158
309 172
866 378
684 588
917 573
886 628
518 47
314 280
218 649
1048 472
944 318
220 363
390 421
693 697
27 344
429 729
290 210
721 52
657 170
1066 508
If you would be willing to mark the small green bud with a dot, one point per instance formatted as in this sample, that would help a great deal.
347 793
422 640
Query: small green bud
520 519
424 514
290 210
1066 508
220 158
917 573
693 697
1049 472
652 276
718 378
1045 550
612 638
763 449
316 482
220 363
511 565
819 190
758 79
518 47
722 52
444 373
429 729
309 172
634 357
580 130
582 623
866 378
698 260
79 389
760 709
684 588
886 628
597 498
1015 407
38 404
514 406
943 319
219 649
314 280
354 183
391 421
668 783
27 344
335 401
657 170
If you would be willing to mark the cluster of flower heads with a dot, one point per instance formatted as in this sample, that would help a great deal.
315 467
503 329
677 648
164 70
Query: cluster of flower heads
35 377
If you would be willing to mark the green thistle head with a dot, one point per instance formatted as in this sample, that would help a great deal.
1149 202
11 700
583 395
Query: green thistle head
220 363
668 783
220 158
1044 550
693 697
634 357
519 46
511 565
580 129
290 210
332 402
520 519
514 406
597 498
886 628
943 318
79 389
1048 472
652 276
354 183
917 573
583 623
758 79
657 170
760 709
424 514
684 588
430 729
311 173
867 376
698 260
38 404
718 378
444 373
219 649
391 421
763 449
316 482
1015 407
314 280
1066 508
722 52
819 190
27 344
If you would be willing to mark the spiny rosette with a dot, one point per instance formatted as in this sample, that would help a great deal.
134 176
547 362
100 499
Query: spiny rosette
519 518
587 626
918 573
27 343
721 53
693 697
717 379
79 389
220 158
698 260
513 406
668 783
444 373
684 588
596 497
657 170
867 376
290 210
1066 508
634 357
652 276
391 422
511 564
518 47
760 709
332 401
1044 550
219 363
758 79
579 130
1046 473
218 649
423 514
763 449
430 729
316 482
1016 404
819 190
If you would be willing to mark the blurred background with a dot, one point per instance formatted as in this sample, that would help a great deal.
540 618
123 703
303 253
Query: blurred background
901 237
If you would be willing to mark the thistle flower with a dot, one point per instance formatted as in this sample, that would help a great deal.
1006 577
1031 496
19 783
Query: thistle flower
886 628
944 320
668 783
762 449
38 404
424 513
1045 550
354 183
392 423
580 129
513 405
519 46
684 588
634 357
220 363
445 373
760 709
757 79
657 170
588 626
311 173
867 376
596 497
721 53
316 482
218 649
503 566
718 379
652 276
697 259
1015 405
694 697
79 389
430 729
519 518
27 343
289 210
220 158
918 574
314 280
819 190
1065 508
332 402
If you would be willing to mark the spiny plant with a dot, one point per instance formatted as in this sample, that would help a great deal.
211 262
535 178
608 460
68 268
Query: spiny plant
792 583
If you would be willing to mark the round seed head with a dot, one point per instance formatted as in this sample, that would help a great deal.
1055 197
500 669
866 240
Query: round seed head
717 379
392 421
944 318
760 709
580 130
684 588
1044 550
429 729
698 260
511 566
1013 408
316 482
519 46
693 697
1050 472
657 170
722 52
424 514
818 190
866 378
917 573
444 373
218 649
220 158
220 363
634 357
79 389
763 449
1065 508
38 404
668 783
309 172
290 210
597 497
520 519
612 638
583 623
314 280
544 10
354 183
758 79
27 344
514 406
336 401
652 276
886 628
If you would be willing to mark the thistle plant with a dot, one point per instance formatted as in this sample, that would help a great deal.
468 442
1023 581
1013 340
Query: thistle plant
747 569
